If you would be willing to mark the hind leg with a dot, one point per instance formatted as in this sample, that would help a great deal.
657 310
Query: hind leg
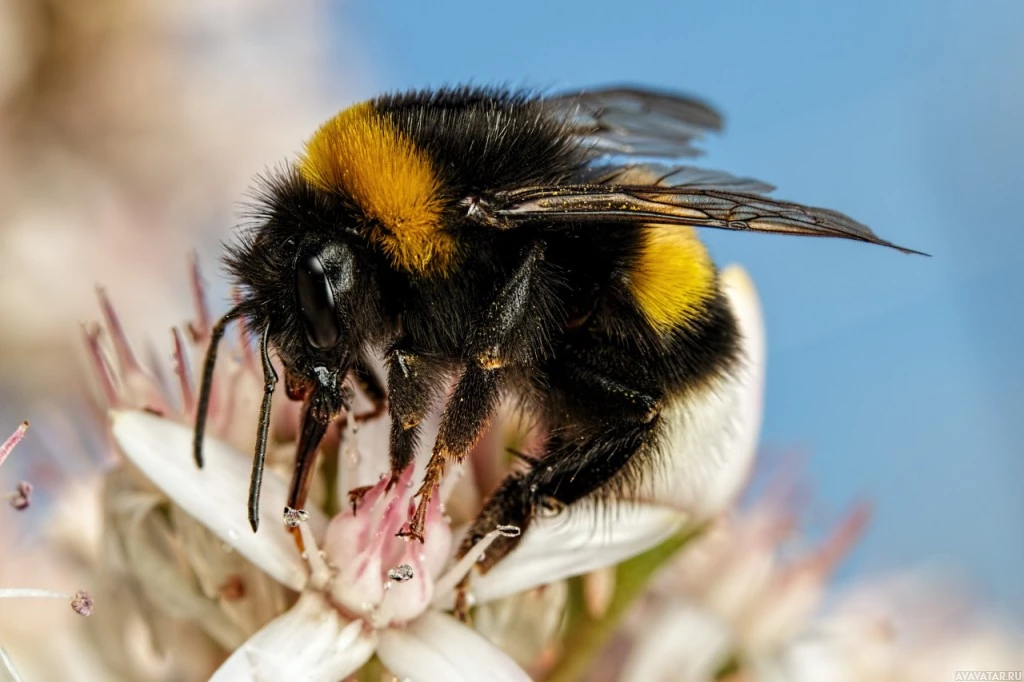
573 469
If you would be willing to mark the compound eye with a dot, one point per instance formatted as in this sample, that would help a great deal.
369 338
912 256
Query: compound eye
316 302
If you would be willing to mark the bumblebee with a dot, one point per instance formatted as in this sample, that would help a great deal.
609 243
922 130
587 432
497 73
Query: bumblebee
538 246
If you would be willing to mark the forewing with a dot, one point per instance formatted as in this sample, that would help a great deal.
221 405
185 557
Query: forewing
637 122
666 175
693 205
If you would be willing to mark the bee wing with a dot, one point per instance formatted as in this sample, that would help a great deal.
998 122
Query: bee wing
697 205
637 122
667 175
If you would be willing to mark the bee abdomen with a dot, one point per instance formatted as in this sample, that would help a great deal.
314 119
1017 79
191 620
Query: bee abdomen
672 279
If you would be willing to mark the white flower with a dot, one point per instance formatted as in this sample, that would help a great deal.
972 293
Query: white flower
733 598
368 591
357 595
914 626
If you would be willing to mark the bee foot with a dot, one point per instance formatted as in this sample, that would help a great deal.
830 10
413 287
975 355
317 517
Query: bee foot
411 532
356 495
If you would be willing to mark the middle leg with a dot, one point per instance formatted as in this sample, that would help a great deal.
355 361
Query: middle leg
622 427
513 331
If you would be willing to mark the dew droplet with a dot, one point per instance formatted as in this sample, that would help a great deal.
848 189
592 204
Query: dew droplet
400 573
293 517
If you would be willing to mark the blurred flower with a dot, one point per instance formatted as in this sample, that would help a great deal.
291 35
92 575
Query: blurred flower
739 605
12 442
914 626
81 602
128 130
734 599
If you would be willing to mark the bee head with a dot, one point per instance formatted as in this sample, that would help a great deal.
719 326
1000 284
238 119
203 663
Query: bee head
300 268
308 291
317 344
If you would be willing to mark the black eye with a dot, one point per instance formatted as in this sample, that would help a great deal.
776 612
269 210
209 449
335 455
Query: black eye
316 302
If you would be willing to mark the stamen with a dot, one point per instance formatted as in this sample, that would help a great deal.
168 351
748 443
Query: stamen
31 593
200 329
100 362
456 573
12 441
184 374
319 571
838 546
81 601
382 613
122 348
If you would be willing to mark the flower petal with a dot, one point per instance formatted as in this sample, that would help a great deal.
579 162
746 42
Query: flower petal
577 541
215 495
310 642
438 648
712 436
682 643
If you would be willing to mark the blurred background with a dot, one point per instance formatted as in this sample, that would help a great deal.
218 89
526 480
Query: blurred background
130 129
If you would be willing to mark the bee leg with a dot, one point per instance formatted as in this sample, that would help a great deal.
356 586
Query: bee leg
462 423
356 495
572 469
413 384
512 330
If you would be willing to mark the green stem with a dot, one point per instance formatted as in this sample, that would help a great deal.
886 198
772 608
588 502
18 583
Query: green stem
373 671
588 635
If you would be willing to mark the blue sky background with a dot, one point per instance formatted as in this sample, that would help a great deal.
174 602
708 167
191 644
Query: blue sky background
900 378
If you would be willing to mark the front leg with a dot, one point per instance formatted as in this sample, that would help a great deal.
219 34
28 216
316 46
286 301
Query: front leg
512 332
414 381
